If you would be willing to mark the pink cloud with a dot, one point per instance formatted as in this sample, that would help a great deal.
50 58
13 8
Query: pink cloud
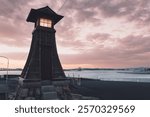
92 50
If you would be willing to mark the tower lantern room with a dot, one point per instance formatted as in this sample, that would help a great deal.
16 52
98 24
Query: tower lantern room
44 17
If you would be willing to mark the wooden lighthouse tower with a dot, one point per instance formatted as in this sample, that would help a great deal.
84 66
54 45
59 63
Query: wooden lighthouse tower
43 62
43 66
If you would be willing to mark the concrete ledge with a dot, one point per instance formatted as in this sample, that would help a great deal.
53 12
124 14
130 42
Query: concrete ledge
49 96
46 82
48 88
76 96
60 83
29 98
32 84
89 98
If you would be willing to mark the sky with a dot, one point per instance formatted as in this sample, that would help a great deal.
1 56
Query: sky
93 33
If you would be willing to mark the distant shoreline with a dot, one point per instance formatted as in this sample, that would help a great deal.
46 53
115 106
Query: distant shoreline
78 69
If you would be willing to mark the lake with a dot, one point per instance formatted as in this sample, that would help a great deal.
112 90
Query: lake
106 75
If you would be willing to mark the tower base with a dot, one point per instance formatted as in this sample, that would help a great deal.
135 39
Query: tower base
43 90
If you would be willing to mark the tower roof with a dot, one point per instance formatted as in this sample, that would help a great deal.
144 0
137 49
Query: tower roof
44 12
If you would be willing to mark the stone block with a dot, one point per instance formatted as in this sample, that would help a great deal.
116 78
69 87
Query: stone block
61 83
76 96
48 88
49 96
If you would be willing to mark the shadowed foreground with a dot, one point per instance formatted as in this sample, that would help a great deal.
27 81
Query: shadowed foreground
113 90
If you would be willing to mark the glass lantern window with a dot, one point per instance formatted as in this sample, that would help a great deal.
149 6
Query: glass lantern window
45 22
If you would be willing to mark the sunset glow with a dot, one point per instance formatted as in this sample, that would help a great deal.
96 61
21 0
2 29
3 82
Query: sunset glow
93 33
